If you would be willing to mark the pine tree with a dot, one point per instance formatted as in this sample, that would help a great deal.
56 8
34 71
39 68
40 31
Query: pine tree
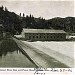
20 14
23 15
6 9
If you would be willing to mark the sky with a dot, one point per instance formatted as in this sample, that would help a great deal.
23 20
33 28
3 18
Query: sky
45 9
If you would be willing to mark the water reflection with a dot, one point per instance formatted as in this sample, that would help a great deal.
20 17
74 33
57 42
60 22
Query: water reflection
8 46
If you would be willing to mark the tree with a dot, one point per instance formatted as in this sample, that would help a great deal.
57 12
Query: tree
6 9
2 7
20 14
30 16
23 15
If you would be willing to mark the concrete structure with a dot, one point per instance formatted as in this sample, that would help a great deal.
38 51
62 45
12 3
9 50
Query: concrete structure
43 34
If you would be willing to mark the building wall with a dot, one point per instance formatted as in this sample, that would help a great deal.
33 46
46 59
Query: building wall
45 36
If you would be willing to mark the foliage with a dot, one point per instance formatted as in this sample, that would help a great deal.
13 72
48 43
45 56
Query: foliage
14 23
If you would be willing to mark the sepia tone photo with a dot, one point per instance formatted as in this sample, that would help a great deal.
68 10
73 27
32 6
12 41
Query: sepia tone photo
37 34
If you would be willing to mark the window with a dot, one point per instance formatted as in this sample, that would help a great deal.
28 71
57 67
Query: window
44 36
33 36
61 36
54 36
40 36
29 37
44 33
36 36
57 36
51 36
47 36
29 33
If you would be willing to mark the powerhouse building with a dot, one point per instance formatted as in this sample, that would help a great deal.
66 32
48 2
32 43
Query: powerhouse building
43 34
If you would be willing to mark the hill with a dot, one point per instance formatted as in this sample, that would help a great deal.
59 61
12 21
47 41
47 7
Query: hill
14 23
10 21
67 24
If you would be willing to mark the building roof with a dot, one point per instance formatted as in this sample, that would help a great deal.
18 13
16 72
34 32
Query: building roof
42 31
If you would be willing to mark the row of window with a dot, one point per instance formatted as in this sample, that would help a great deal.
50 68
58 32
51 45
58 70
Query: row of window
43 34
45 37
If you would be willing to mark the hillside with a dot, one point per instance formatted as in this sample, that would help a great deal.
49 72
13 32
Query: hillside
67 23
14 23
10 21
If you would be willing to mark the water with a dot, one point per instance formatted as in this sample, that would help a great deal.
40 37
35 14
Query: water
11 56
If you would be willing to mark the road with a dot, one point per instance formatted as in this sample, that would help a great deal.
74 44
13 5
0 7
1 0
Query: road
39 58
12 56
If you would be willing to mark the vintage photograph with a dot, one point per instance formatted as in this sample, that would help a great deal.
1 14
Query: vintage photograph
37 34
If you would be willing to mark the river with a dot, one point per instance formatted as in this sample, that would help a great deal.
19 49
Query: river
12 56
